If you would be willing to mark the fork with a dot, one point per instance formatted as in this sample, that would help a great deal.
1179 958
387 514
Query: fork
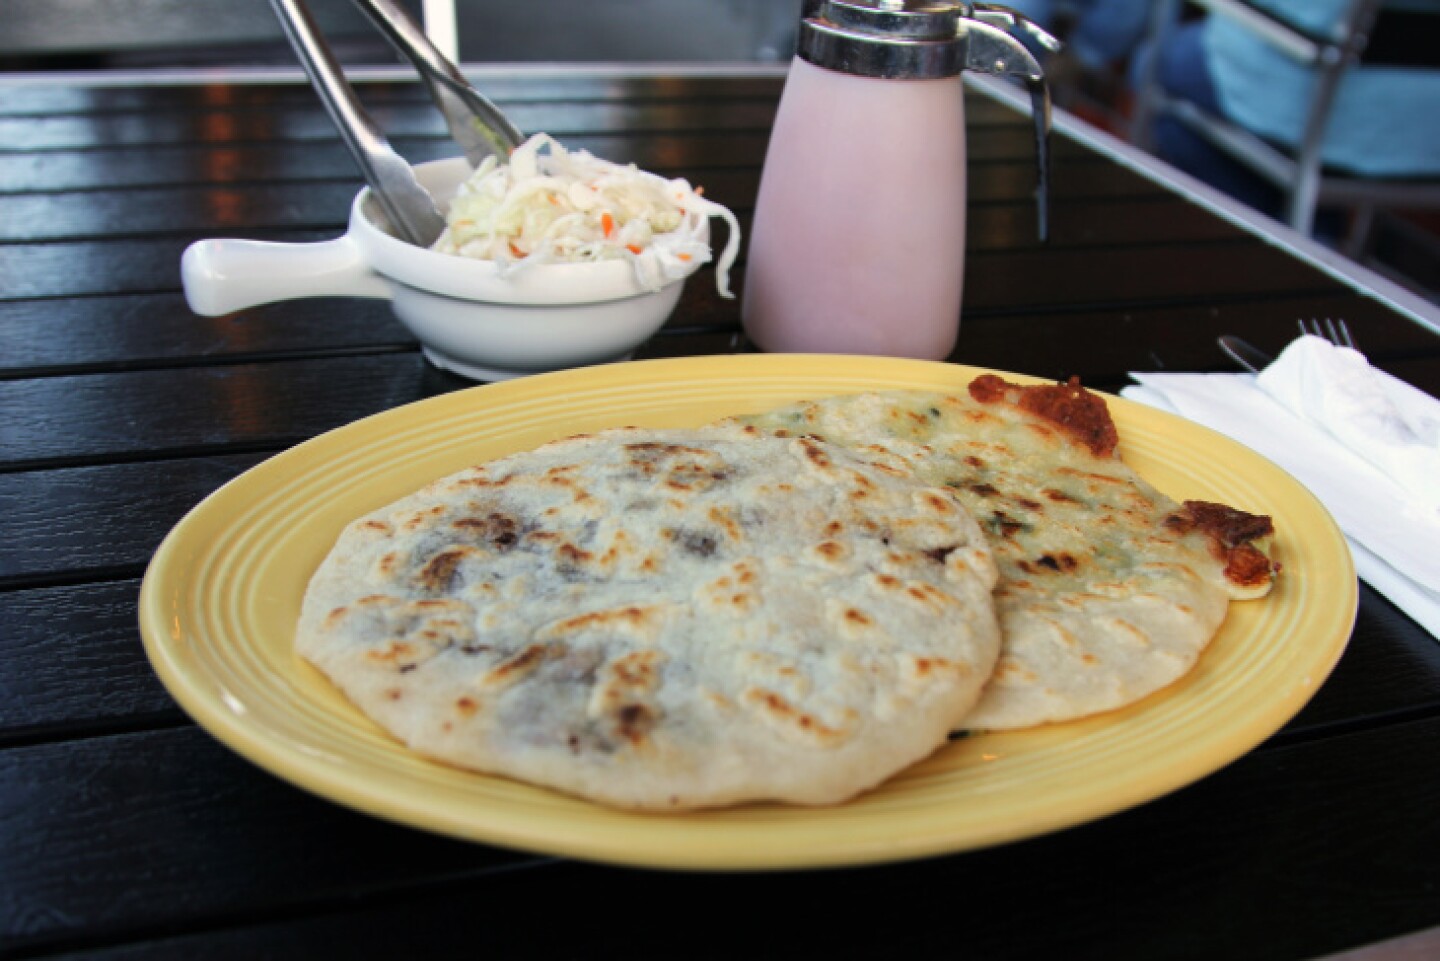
1251 358
1334 331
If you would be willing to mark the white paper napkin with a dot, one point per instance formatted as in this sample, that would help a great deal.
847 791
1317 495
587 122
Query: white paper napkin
1367 445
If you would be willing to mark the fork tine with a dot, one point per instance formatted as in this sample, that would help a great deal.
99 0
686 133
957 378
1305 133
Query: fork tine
1335 331
1345 339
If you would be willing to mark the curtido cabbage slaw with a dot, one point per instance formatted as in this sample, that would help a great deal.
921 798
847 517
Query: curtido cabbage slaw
548 206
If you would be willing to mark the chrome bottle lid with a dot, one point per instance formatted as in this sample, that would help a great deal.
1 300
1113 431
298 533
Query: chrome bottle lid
890 39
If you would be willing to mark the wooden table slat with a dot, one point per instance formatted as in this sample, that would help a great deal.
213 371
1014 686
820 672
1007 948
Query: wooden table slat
38 101
71 662
92 810
87 522
98 334
138 212
167 412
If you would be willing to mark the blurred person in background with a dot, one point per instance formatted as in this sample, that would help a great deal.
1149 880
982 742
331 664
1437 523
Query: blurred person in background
1386 117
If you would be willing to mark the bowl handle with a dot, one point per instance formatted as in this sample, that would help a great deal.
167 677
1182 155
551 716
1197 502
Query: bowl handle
221 276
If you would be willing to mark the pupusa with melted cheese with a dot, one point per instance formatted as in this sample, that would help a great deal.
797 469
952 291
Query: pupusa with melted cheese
1108 590
665 620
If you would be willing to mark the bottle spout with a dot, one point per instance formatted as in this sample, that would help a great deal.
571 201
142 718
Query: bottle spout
1013 22
993 48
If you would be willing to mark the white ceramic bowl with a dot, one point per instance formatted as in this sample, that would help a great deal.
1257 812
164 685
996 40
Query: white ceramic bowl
467 316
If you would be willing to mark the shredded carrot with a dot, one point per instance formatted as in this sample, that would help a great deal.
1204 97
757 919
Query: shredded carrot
685 257
700 191
633 248
516 250
607 224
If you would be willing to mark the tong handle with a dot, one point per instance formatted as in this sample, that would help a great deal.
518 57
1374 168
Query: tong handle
475 123
409 209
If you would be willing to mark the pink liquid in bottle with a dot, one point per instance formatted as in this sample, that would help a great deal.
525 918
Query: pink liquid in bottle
858 241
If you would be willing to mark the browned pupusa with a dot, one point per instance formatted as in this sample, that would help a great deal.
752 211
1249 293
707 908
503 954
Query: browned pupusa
665 619
1108 589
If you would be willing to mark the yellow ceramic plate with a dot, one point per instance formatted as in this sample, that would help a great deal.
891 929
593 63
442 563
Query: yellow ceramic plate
223 593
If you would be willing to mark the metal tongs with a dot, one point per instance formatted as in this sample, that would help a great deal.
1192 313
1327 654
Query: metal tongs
475 123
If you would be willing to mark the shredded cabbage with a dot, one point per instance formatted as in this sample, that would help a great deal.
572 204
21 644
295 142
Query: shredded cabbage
551 205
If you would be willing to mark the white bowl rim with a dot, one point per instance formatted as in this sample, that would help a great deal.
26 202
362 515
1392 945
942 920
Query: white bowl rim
467 278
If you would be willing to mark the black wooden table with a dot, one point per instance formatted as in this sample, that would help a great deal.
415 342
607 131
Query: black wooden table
126 831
